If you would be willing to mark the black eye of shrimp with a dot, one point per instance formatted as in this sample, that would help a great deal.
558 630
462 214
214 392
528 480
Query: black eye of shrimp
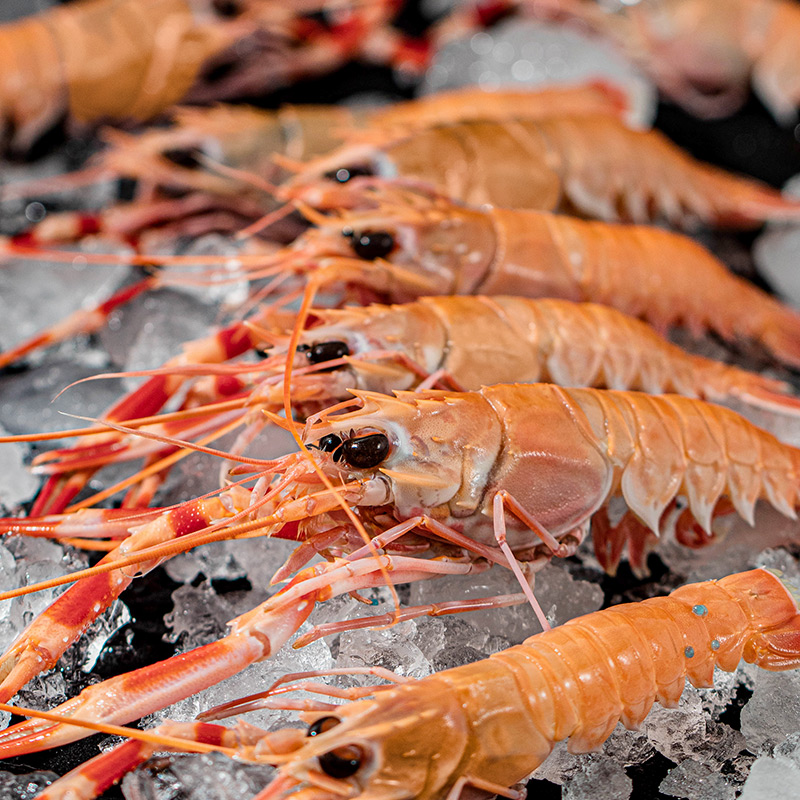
331 444
370 246
366 451
325 351
344 174
326 723
343 762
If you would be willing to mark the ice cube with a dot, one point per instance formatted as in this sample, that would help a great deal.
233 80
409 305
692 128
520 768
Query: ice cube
773 712
18 484
775 252
695 781
790 748
391 648
24 787
772 779
154 329
210 776
60 290
687 732
600 779
28 404
561 597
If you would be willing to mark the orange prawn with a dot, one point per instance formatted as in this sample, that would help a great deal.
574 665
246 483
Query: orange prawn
453 341
486 726
404 245
228 154
594 166
508 474
122 60
459 342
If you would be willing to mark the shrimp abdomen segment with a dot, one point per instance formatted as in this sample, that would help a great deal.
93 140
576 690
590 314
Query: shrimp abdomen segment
637 269
479 162
663 446
614 173
490 339
551 461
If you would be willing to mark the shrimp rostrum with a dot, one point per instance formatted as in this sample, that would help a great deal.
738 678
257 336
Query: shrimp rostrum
484 727
507 474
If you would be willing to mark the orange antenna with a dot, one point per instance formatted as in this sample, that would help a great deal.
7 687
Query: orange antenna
302 315
175 416
157 437
268 219
171 742
151 469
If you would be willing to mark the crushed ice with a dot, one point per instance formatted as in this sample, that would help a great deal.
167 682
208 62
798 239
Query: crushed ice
527 53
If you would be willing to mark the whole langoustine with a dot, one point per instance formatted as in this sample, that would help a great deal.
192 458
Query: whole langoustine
228 153
507 474
410 245
119 60
455 341
487 725
593 166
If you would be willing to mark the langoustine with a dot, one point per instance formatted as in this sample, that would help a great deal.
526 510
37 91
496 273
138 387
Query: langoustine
504 475
409 244
228 154
461 342
593 166
404 244
487 725
130 59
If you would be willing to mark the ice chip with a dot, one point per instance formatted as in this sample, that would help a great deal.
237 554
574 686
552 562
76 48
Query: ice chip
600 779
561 597
773 712
18 484
391 648
211 776
772 779
61 289
775 252
155 328
534 54
695 781
24 787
